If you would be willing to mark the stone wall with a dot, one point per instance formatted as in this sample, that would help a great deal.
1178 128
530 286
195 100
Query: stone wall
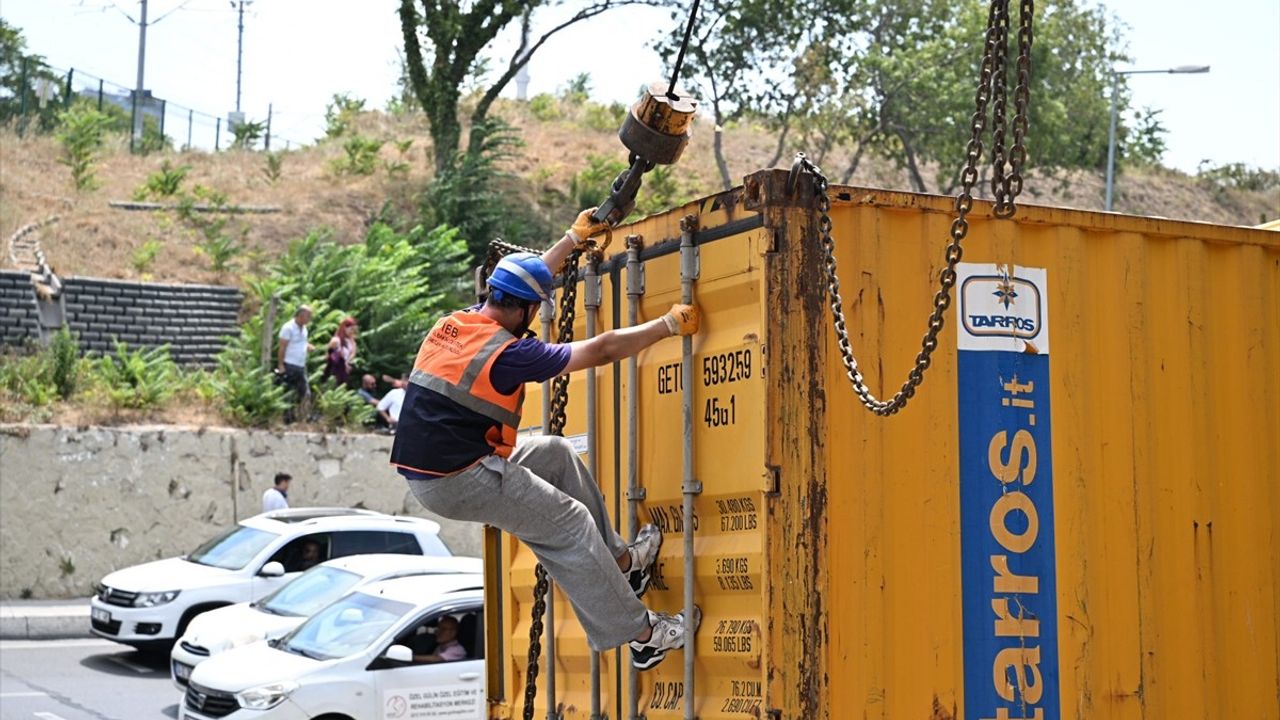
18 312
77 503
193 320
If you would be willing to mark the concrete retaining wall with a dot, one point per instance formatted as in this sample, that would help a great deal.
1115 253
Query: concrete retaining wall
77 503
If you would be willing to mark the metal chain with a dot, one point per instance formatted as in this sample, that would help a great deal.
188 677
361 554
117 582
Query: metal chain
999 19
555 426
959 227
1021 99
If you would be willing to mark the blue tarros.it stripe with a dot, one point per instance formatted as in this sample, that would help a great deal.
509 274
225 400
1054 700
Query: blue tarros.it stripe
1008 573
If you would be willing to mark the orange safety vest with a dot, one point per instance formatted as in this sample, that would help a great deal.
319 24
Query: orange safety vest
450 385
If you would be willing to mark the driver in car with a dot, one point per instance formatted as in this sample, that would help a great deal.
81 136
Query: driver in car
448 648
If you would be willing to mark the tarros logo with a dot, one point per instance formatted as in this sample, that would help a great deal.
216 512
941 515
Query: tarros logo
1001 304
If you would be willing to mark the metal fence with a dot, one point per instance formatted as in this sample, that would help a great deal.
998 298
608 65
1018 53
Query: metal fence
44 89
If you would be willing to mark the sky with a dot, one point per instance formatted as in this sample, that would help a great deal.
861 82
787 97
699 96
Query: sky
298 53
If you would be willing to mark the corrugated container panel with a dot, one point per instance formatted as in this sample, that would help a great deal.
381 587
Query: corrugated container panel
1076 516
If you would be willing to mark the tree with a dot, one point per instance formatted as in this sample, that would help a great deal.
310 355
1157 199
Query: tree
24 77
455 34
740 59
898 79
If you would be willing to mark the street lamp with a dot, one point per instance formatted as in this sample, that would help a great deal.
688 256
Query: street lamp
1111 142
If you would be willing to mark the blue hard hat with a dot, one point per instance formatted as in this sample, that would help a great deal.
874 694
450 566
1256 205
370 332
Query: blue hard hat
523 275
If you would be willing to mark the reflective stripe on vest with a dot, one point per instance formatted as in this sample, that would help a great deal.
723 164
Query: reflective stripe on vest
455 360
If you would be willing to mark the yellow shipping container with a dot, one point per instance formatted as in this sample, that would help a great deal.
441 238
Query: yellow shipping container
1079 529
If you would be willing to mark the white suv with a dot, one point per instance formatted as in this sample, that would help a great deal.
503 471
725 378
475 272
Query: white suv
147 606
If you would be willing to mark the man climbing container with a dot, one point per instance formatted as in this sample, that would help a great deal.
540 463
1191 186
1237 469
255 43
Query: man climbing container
456 445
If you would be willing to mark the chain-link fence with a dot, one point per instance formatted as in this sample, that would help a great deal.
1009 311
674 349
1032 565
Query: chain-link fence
40 91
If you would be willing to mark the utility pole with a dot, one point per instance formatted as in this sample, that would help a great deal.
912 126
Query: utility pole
239 5
136 139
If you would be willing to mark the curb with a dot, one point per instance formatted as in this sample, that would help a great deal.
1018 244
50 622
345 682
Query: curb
54 622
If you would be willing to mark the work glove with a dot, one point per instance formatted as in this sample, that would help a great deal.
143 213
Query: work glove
583 228
682 319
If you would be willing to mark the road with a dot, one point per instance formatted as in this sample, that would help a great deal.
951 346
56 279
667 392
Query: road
83 680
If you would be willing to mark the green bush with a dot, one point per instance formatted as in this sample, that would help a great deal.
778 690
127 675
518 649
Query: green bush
139 379
163 183
577 90
222 250
250 395
218 241
274 166
1238 175
480 198
340 407
396 284
604 118
82 131
145 255
661 191
28 379
245 135
64 362
340 114
361 156
544 107
592 185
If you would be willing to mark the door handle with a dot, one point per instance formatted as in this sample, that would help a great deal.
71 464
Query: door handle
469 676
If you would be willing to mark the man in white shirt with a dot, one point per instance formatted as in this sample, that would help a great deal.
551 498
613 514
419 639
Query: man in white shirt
277 498
291 355
390 404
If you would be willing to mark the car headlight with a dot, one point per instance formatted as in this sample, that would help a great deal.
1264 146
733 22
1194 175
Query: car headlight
265 697
152 599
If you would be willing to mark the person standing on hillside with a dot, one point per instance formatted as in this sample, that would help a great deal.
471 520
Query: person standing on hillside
340 357
456 445
291 358
276 497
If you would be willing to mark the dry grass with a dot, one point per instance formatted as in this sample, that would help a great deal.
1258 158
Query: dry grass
95 240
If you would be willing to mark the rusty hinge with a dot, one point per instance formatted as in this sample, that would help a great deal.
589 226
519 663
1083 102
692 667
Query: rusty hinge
772 479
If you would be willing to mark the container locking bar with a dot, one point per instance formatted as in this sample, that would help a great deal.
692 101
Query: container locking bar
689 271
591 293
548 315
635 493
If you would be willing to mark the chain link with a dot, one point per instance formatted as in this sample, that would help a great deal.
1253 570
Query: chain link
998 19
555 426
1007 190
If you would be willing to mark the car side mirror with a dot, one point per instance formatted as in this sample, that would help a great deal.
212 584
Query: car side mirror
398 653
271 569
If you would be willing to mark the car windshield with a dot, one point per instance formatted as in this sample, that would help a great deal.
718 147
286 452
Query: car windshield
232 549
345 627
311 591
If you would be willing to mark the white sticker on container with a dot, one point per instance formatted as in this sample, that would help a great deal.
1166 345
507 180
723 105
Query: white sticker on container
1003 308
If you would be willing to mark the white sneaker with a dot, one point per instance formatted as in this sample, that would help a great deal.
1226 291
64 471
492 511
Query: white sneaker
668 634
644 553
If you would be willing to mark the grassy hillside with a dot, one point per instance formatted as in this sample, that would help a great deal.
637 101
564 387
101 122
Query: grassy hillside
93 239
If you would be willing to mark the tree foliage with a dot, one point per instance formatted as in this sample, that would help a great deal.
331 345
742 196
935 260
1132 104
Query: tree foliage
480 198
741 59
443 45
898 79
396 284
24 80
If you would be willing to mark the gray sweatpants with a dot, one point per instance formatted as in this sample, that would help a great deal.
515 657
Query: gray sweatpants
545 496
